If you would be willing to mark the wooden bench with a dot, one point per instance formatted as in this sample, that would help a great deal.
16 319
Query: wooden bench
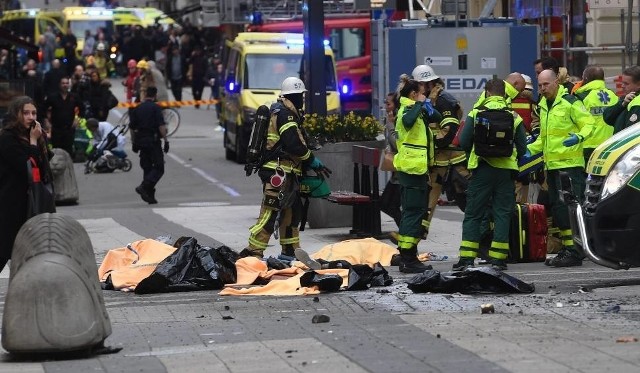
365 197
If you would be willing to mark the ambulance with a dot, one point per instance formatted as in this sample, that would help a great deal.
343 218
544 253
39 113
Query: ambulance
256 65
32 23
607 224
81 19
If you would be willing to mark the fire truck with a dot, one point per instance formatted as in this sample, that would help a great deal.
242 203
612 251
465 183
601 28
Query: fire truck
350 39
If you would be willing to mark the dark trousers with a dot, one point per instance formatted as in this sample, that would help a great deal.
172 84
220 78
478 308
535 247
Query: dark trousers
414 190
176 89
197 86
490 189
152 164
63 138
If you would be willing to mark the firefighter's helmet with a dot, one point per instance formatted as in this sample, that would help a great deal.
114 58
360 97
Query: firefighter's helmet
424 73
292 85
142 64
100 47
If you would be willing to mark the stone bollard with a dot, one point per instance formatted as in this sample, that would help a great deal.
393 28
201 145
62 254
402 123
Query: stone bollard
54 302
64 177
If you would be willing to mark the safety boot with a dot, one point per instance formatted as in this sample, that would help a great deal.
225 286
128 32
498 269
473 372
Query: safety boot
463 263
249 251
565 258
144 194
499 264
409 262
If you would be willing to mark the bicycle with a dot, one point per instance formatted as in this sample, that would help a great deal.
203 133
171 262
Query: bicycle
171 119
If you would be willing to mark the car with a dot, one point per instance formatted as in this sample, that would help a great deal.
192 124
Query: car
607 224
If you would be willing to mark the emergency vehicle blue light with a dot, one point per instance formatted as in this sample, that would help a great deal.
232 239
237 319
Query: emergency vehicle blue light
325 42
232 85
345 87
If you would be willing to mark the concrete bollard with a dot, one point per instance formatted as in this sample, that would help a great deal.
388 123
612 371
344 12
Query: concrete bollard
54 302
64 177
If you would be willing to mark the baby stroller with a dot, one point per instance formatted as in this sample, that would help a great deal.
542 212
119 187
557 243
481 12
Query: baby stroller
102 160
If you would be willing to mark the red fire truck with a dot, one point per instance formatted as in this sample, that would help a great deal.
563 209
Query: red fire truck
350 39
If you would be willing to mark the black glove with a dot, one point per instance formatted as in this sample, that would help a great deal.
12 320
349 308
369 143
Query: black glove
166 146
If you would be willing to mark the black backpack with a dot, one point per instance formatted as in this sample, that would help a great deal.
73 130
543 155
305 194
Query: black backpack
493 133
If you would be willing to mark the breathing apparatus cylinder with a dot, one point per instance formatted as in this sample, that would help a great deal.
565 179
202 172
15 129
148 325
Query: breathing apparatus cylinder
258 140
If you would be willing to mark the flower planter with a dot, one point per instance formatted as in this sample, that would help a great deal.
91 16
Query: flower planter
336 156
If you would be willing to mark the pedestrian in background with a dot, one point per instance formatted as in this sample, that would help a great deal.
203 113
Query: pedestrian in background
491 186
176 71
148 129
196 73
61 110
412 163
21 138
564 125
390 198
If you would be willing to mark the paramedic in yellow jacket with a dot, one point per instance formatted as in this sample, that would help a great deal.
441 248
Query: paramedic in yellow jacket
412 162
443 131
492 159
564 126
596 98
288 155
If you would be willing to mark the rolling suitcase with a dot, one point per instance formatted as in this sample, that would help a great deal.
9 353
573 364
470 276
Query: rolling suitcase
528 234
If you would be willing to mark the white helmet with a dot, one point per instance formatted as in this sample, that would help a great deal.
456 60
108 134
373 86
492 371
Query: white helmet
424 73
100 47
292 85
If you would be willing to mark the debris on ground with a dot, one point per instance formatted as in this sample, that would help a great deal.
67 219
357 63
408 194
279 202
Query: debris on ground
318 319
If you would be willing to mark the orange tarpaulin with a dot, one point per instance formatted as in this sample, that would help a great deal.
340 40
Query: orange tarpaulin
249 269
129 265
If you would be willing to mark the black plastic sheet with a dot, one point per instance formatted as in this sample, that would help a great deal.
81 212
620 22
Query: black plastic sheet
327 283
192 267
471 280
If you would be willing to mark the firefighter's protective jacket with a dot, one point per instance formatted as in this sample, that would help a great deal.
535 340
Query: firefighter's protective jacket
284 132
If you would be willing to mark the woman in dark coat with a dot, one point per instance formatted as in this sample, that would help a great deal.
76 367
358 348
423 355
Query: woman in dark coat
21 137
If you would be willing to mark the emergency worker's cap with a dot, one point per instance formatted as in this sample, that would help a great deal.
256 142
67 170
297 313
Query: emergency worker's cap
424 73
142 64
292 85
100 47
132 63
527 82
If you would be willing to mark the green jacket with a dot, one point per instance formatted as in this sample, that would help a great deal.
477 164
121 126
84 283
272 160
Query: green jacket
415 140
566 115
596 98
621 117
520 139
510 90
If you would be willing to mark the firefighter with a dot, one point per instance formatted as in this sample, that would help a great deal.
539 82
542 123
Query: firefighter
446 155
560 115
492 161
288 155
412 162
627 111
596 98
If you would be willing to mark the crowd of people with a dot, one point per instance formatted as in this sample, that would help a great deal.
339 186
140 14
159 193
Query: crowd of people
564 124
